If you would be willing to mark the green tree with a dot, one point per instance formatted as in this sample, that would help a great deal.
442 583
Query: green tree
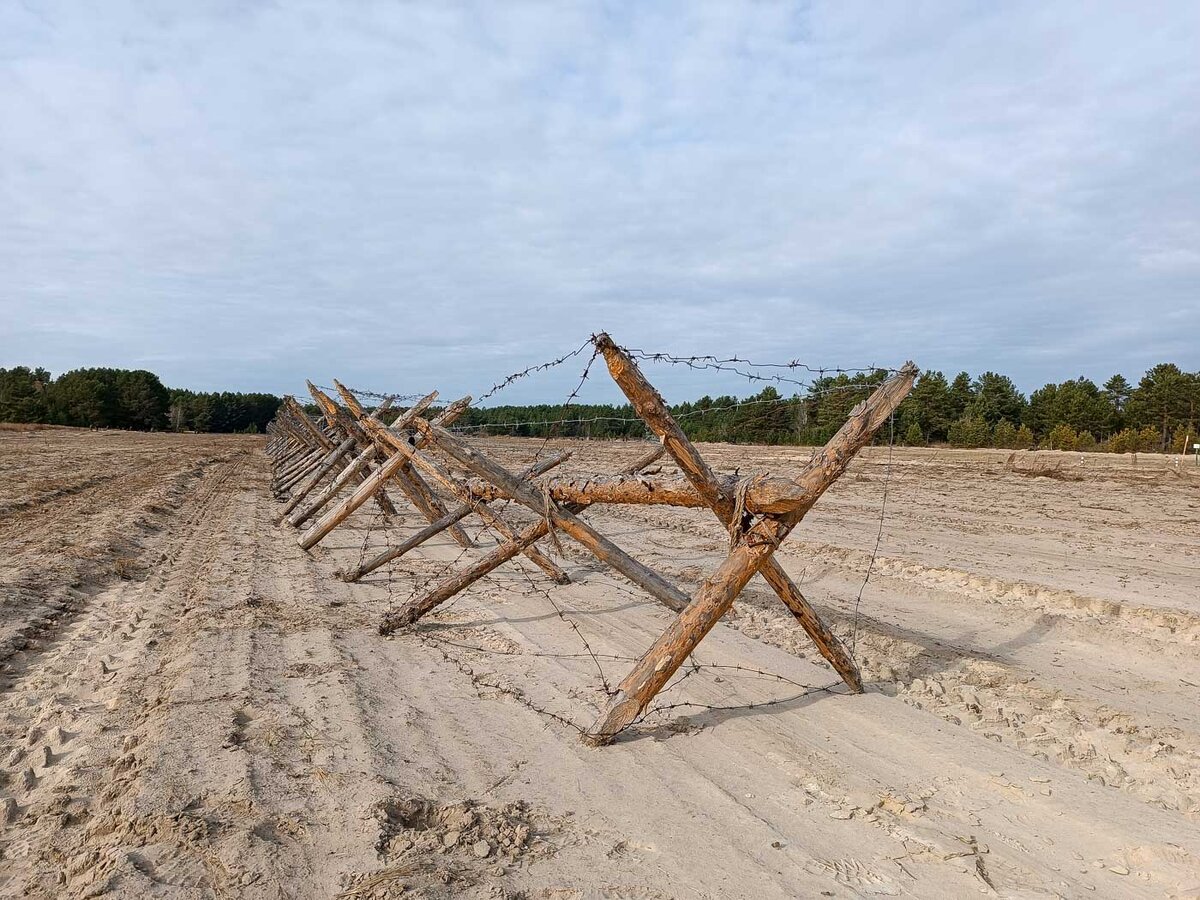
970 432
1166 399
996 398
1004 435
1116 392
23 394
961 394
930 405
1061 437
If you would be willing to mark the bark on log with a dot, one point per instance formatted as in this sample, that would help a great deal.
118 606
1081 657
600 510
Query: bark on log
580 531
418 492
717 593
410 612
650 456
434 528
394 443
327 465
348 474
359 463
651 407
336 516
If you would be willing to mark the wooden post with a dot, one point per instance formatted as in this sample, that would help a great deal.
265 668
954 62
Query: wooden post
717 593
413 486
649 405
408 613
604 549
434 528
446 480
327 465
339 514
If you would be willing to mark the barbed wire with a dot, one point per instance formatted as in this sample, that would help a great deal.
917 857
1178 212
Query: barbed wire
691 414
731 364
526 372
887 479
375 395
736 365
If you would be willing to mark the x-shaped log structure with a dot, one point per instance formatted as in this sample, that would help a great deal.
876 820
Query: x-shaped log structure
758 512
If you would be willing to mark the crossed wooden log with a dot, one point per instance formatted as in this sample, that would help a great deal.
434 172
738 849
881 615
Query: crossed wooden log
758 512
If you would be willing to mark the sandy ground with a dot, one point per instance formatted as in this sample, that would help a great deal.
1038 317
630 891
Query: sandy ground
191 706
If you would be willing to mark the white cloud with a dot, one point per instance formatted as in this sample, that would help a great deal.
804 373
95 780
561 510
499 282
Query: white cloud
413 195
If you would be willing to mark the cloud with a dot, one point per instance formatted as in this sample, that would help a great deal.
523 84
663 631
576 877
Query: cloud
405 196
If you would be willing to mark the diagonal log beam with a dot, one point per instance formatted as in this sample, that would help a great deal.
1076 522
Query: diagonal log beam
356 466
435 528
327 465
649 405
570 524
716 595
338 514
414 488
460 492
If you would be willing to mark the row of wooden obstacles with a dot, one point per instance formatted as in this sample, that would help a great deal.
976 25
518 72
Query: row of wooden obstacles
347 449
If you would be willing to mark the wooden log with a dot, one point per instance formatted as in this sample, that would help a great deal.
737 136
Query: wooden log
408 613
580 531
319 437
418 492
328 464
436 527
650 456
314 462
336 516
651 407
358 464
397 444
766 495
717 593
285 477
348 474
348 425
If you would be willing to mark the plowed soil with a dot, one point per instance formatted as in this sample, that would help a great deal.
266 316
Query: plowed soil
192 706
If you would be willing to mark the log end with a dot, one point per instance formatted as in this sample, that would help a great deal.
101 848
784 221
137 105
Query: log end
400 618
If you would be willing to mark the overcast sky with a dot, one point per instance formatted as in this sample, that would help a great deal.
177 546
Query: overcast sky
240 195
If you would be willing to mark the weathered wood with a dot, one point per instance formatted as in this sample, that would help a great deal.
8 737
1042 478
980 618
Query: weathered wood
285 477
436 527
408 613
319 437
650 456
342 423
397 444
577 529
717 594
348 474
418 492
328 464
336 516
358 464
651 407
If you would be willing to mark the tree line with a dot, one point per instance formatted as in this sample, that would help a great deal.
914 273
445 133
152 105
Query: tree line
126 398
1157 414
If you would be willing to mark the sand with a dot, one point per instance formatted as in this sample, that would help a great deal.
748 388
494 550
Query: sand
191 706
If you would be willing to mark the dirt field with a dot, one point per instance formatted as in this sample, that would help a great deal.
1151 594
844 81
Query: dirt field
192 706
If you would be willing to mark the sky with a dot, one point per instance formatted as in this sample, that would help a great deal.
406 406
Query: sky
407 196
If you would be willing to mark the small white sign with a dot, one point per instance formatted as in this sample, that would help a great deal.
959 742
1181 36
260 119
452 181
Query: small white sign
1196 446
